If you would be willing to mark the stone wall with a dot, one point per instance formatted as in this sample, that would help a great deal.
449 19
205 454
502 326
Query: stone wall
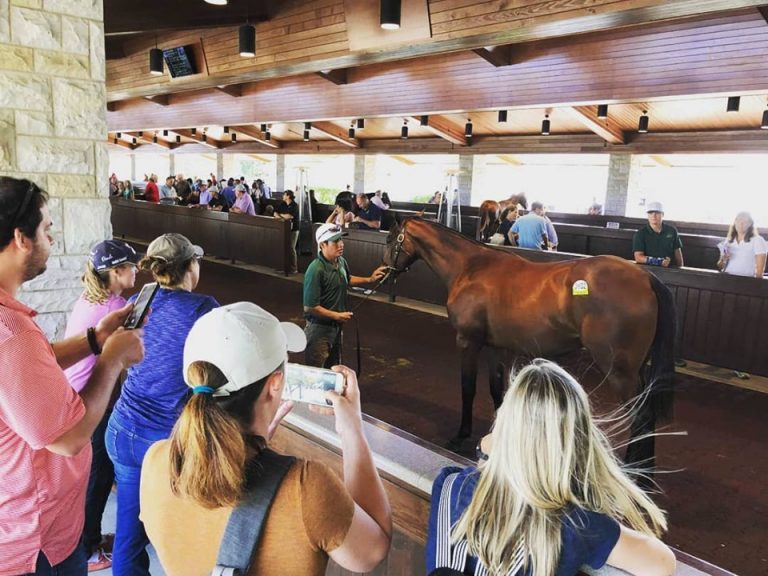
53 131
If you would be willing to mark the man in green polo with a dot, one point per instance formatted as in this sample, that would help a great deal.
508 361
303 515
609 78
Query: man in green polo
657 244
325 297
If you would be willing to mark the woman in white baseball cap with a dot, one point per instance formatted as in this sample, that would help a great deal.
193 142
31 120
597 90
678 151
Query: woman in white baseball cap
234 361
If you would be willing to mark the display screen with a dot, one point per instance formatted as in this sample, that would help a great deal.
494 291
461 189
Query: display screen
180 61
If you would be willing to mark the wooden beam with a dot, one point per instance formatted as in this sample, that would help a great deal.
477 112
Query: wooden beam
256 134
764 12
509 159
496 55
161 99
606 129
234 90
148 138
336 133
198 137
118 142
338 77
441 126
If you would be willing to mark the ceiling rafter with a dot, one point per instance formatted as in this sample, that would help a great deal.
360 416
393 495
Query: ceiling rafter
234 90
338 76
497 55
258 135
149 139
607 129
161 99
198 136
115 141
336 133
446 129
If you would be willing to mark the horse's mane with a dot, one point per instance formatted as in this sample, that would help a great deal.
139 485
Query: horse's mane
454 233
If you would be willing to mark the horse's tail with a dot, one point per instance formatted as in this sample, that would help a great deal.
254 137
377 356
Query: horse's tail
661 375
483 223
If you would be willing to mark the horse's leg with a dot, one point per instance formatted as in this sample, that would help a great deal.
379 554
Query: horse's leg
469 359
496 371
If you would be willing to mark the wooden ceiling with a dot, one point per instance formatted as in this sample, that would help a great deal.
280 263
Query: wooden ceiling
677 66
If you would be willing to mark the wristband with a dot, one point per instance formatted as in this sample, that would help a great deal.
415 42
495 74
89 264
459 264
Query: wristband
654 260
92 342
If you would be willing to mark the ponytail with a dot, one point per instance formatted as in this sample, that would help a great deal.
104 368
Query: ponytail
210 441
95 285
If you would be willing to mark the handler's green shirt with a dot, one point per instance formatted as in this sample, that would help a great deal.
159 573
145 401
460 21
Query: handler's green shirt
325 284
662 245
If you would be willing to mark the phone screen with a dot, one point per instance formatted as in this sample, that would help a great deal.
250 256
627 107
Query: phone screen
309 384
141 306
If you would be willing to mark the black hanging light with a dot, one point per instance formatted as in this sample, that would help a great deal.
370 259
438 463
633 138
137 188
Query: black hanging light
263 127
468 128
545 125
307 125
351 131
233 137
733 103
165 132
602 111
424 120
178 139
119 134
267 136
156 61
390 14
642 126
247 41
764 125
226 129
360 123
154 138
404 130
194 131
133 140
306 135
114 141
502 115
205 137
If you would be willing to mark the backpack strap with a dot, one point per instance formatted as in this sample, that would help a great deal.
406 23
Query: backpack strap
245 524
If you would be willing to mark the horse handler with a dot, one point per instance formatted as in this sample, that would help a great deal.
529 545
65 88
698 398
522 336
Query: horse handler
325 297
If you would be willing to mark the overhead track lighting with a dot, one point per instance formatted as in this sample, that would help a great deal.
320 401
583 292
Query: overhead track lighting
307 125
247 41
233 137
360 123
267 136
165 132
119 134
263 127
178 139
133 140
351 131
642 126
602 111
404 130
306 135
114 141
424 121
733 103
154 138
502 115
468 128
764 125
156 61
545 125
390 14
194 131
226 129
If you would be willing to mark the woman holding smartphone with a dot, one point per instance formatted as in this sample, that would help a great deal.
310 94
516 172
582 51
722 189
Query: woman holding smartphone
110 270
154 392
549 497
743 251
191 482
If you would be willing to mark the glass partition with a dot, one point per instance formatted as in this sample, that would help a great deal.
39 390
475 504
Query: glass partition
326 174
148 164
410 177
195 165
251 167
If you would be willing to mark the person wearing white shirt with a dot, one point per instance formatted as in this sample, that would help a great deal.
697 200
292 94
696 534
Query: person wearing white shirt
743 252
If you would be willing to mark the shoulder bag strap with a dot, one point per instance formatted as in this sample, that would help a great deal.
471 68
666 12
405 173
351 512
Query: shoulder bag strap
247 520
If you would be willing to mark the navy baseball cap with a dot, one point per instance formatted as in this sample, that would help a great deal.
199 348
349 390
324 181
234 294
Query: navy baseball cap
111 253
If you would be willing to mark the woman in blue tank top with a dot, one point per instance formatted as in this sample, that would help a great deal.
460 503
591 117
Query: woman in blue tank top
154 392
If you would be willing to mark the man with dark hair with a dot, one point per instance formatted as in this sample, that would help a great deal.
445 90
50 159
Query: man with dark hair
46 426
657 244
289 210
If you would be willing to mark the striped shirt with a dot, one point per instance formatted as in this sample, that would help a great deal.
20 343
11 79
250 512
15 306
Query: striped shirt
42 494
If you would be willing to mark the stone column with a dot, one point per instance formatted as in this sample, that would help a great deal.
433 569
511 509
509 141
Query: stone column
623 169
219 165
171 165
280 174
53 130
358 184
464 178
133 167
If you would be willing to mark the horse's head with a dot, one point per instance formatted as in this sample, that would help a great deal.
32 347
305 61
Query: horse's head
521 200
400 252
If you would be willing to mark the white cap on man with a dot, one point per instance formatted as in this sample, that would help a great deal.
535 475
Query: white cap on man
329 233
244 341
654 207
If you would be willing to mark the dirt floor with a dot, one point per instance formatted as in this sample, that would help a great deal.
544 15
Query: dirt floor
714 485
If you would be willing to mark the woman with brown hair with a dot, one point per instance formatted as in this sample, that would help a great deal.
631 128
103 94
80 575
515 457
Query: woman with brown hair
218 450
743 252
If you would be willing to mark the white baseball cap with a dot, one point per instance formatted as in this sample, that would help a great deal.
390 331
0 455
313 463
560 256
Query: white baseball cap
242 340
654 207
329 233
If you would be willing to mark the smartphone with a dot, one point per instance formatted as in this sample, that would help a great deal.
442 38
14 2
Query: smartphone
141 306
309 384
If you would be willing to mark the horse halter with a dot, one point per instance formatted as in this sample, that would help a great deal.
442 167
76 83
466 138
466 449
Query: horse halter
398 249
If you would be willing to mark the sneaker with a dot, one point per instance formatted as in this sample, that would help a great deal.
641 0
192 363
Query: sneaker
99 560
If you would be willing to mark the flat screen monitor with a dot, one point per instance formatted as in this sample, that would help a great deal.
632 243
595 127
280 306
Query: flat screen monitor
180 61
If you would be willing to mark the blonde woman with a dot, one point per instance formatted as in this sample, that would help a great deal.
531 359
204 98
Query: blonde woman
110 270
743 251
191 482
550 497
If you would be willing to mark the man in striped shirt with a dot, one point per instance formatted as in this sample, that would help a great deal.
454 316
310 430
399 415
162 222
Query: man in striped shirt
45 426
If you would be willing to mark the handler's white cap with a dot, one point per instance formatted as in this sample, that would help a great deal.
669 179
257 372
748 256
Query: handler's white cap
242 340
329 233
654 207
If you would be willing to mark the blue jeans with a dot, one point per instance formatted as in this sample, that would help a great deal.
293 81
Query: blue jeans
76 564
126 447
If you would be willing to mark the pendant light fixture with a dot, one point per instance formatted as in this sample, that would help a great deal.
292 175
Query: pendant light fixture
468 128
424 120
360 123
156 61
154 138
390 14
306 135
165 132
307 125
233 137
263 127
351 131
267 136
247 41
226 129
133 141
764 125
642 126
733 103
545 125
205 137
502 115
114 141
178 139
194 131
602 111
119 134
404 130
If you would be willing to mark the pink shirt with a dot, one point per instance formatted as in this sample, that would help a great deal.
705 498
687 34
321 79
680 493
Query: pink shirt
245 204
42 495
84 315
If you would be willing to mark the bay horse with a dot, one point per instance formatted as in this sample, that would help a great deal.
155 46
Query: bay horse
620 313
489 212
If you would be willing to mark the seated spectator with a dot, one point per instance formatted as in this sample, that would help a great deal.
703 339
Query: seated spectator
128 192
111 269
229 192
378 200
191 482
595 210
657 244
342 214
243 203
151 192
205 195
508 218
120 188
168 192
217 202
193 199
548 492
113 184
531 229
743 252
368 214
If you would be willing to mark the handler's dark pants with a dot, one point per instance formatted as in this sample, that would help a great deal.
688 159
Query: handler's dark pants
323 345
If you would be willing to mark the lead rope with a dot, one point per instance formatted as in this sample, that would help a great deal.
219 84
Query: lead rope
358 351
